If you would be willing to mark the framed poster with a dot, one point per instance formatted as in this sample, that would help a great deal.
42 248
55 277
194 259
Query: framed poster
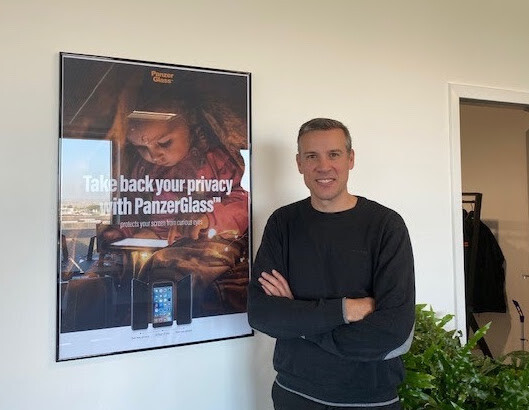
154 205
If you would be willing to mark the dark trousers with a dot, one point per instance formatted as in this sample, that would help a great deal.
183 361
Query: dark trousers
285 400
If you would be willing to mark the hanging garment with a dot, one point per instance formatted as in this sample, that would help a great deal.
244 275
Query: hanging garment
487 286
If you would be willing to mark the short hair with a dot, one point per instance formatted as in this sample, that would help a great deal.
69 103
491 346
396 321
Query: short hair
325 124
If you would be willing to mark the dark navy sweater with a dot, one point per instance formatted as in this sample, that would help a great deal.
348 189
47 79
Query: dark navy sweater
363 251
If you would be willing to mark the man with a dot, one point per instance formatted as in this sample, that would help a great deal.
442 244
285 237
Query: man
333 282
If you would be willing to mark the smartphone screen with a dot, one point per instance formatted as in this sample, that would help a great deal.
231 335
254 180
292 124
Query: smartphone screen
184 300
139 305
162 304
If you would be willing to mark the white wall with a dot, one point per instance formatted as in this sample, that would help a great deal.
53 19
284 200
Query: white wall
382 67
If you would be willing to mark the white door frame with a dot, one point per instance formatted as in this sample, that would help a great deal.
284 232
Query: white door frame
456 93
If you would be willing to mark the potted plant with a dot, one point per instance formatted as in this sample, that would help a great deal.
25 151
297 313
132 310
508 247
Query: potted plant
442 373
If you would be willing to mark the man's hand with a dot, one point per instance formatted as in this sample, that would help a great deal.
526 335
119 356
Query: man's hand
275 284
357 309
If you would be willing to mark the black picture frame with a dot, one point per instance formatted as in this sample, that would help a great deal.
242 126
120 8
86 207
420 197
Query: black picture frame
154 205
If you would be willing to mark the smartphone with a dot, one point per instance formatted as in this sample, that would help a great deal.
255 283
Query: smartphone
139 306
184 301
162 304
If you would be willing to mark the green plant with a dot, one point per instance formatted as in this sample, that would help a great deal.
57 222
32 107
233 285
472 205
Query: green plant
441 373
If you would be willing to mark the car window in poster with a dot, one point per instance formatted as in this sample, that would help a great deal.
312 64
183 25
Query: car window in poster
154 220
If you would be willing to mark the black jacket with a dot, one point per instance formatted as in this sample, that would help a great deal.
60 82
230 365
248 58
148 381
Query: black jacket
486 280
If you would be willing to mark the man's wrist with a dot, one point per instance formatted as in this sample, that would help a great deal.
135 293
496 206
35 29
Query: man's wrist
344 311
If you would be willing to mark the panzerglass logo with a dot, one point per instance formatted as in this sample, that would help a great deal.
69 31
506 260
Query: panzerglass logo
159 77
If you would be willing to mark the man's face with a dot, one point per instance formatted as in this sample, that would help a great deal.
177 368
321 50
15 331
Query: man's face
325 163
163 143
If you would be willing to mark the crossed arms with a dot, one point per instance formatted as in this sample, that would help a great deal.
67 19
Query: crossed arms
375 327
274 284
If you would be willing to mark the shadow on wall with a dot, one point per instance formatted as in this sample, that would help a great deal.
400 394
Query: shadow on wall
273 166
262 372
274 173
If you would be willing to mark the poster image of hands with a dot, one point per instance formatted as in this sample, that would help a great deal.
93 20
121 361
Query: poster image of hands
154 205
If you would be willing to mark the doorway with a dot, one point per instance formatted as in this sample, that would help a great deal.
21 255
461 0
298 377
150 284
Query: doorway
489 155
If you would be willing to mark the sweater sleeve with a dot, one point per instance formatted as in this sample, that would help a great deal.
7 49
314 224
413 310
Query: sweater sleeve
280 317
388 331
